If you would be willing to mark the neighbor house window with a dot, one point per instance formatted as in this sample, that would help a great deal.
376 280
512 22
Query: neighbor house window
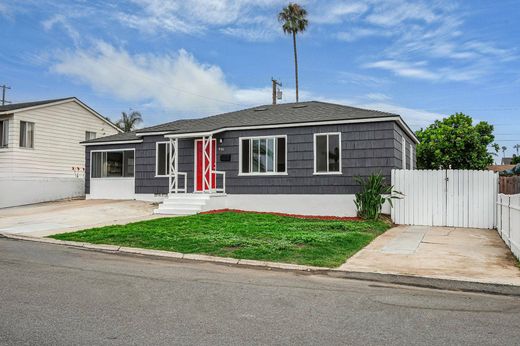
411 156
162 159
26 134
263 155
90 135
4 133
112 164
327 153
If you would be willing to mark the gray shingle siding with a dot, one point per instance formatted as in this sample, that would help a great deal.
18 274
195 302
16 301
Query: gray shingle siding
366 148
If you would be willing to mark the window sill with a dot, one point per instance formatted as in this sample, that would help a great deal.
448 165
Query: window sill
112 178
261 174
162 176
327 173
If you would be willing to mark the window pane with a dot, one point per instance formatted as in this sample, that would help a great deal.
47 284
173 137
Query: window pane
263 157
30 135
90 135
245 155
334 153
128 163
114 164
161 159
280 155
321 153
256 155
4 133
270 155
23 132
97 163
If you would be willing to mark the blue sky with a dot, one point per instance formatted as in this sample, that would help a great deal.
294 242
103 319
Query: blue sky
184 59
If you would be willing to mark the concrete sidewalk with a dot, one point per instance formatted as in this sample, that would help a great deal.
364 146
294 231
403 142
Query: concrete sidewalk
43 219
465 254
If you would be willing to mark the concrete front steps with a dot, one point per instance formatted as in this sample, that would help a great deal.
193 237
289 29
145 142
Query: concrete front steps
182 204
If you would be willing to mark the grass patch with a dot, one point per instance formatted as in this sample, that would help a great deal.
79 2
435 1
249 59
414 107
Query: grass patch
243 235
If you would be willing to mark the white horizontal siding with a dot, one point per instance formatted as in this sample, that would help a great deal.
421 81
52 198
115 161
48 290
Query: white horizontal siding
58 130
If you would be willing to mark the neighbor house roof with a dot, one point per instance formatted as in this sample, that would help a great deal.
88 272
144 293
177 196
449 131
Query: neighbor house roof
261 116
22 106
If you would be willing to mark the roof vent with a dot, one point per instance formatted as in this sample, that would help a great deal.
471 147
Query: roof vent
299 106
259 109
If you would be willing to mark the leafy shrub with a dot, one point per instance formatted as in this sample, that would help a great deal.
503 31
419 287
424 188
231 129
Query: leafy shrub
374 193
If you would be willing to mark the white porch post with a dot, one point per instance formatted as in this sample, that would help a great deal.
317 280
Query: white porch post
207 155
173 176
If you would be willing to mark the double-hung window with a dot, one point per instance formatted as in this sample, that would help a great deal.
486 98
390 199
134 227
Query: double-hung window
263 155
4 133
90 135
327 153
26 134
112 164
162 159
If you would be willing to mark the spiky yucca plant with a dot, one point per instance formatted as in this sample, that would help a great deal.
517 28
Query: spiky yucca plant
374 193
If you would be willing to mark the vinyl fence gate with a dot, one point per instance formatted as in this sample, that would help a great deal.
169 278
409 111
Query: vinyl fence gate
453 198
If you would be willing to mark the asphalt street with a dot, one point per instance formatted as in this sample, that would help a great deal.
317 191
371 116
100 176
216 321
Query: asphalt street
56 295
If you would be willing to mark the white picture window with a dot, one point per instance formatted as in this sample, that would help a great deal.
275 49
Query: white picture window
263 155
4 133
112 164
327 153
26 134
90 135
162 159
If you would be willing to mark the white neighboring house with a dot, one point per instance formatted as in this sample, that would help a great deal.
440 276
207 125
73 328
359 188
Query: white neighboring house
40 155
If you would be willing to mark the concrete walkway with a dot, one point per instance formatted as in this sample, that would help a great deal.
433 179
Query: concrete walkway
465 254
43 219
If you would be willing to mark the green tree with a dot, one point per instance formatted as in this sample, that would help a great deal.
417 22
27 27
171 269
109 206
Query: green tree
128 122
454 142
294 20
515 160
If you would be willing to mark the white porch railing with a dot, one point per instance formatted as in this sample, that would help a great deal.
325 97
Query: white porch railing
207 167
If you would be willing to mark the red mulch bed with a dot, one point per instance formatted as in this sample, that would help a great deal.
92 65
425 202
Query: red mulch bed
318 217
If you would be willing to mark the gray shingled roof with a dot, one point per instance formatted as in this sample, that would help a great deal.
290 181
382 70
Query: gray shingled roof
16 106
287 113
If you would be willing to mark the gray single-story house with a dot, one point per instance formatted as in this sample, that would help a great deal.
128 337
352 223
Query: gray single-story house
298 158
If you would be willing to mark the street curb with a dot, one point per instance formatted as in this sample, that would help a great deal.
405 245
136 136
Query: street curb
415 281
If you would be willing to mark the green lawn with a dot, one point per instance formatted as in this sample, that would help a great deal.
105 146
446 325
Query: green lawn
243 235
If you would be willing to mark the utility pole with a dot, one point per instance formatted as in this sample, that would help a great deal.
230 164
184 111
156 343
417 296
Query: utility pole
4 87
275 90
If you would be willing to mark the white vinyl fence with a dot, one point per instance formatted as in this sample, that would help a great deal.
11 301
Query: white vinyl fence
508 221
454 198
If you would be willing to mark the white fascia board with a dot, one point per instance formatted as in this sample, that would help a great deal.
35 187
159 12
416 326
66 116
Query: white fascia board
311 123
113 142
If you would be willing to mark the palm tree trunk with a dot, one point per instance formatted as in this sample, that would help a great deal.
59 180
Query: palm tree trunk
295 63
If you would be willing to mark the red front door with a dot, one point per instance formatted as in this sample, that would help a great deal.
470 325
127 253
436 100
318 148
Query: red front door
201 184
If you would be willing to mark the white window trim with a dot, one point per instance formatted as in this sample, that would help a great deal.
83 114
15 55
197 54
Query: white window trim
87 132
275 156
106 151
340 172
403 153
6 122
157 159
34 131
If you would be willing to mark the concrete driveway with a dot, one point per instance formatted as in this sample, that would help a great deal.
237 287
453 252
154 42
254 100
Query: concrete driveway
44 219
439 252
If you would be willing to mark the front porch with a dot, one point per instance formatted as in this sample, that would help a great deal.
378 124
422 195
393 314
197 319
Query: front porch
207 181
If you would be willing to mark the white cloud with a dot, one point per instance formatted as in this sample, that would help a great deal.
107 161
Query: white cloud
175 82
404 69
337 12
59 19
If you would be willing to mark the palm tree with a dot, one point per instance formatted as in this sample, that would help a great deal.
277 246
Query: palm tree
517 146
128 122
504 148
293 19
